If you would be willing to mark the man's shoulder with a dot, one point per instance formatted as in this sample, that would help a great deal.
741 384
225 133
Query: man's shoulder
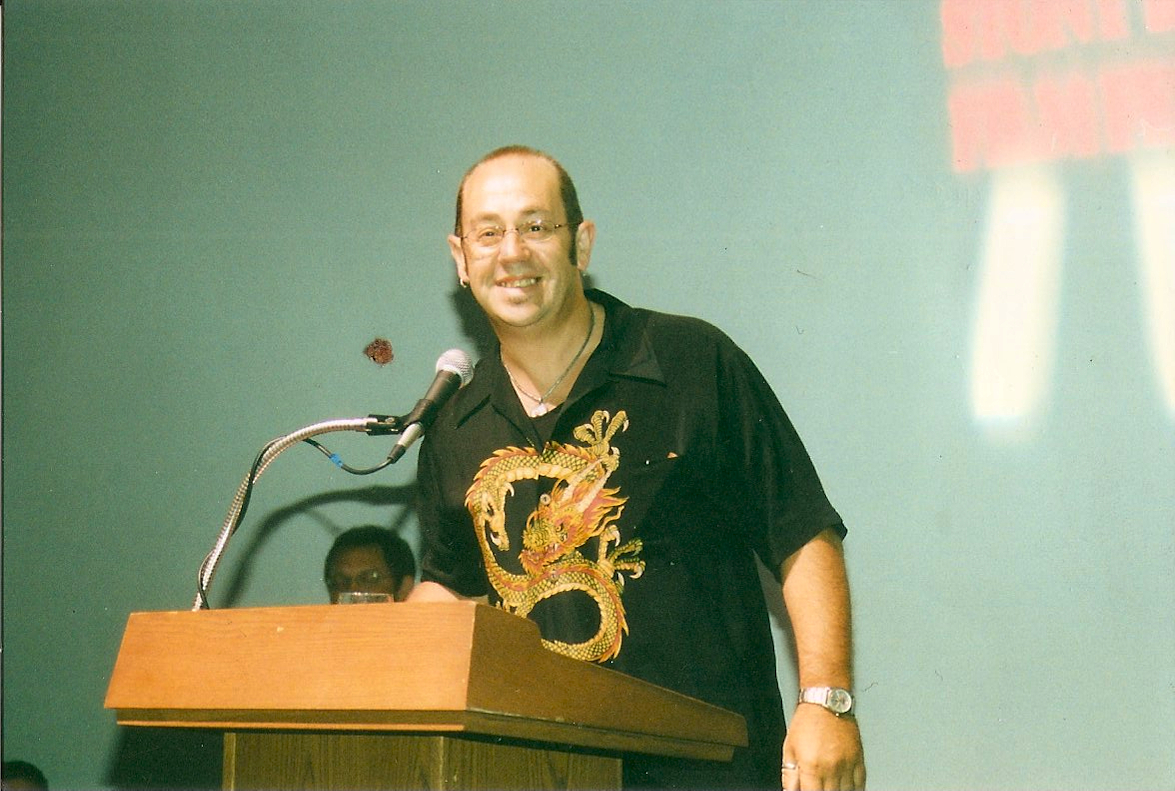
689 343
661 326
679 323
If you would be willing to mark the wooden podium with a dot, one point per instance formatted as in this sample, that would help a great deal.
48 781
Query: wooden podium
383 696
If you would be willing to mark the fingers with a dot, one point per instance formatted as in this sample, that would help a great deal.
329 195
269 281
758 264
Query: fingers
822 753
795 778
791 775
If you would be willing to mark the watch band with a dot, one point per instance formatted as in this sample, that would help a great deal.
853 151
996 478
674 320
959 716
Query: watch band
836 699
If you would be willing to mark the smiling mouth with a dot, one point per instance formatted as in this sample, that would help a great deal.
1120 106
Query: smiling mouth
518 282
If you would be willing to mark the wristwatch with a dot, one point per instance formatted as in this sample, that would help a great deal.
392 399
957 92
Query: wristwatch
838 701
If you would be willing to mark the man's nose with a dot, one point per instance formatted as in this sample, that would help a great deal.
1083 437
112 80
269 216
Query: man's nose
512 244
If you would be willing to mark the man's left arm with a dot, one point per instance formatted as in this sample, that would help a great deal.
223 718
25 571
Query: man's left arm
825 749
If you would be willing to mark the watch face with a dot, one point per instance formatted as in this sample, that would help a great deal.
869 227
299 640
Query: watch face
839 700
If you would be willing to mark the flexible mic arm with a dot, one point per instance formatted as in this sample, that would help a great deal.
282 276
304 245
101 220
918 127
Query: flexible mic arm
454 370
374 425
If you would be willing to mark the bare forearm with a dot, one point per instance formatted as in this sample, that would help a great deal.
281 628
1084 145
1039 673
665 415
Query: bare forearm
821 750
816 592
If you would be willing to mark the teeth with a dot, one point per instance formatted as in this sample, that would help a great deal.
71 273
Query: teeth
523 283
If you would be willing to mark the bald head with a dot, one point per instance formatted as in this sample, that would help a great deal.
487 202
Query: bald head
567 193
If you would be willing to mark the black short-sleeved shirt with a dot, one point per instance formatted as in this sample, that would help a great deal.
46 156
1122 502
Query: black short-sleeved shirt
626 522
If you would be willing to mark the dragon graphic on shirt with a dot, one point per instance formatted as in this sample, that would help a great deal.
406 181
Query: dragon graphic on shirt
578 508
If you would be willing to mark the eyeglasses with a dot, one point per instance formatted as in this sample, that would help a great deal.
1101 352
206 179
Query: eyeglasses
364 580
489 237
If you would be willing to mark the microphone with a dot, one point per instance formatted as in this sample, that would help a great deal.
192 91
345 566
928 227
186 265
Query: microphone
454 370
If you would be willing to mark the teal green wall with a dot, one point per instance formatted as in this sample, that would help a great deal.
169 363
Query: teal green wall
211 208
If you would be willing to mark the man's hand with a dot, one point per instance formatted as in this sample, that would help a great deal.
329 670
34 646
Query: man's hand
431 591
434 591
822 751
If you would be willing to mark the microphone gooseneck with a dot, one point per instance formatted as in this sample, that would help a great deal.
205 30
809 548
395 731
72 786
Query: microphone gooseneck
454 370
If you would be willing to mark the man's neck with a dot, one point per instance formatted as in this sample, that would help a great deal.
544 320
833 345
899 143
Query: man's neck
538 358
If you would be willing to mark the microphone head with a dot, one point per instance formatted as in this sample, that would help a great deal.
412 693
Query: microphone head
456 361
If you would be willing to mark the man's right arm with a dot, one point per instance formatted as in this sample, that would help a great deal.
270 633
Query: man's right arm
432 591
435 591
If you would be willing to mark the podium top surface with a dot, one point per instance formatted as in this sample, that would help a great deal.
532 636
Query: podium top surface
447 667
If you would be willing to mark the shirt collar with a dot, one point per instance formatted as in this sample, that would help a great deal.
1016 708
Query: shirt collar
625 348
625 351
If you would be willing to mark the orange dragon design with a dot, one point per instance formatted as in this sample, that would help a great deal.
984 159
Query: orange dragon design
579 507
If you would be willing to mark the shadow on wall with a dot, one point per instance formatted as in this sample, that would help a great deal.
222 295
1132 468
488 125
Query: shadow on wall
474 324
401 498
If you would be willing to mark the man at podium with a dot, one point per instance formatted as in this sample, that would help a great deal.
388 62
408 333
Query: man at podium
612 473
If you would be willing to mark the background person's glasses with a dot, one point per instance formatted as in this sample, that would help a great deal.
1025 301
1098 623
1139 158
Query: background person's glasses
364 580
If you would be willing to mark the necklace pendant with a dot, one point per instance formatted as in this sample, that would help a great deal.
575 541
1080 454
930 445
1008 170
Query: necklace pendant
540 410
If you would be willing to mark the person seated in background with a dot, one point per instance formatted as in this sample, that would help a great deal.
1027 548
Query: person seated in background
369 560
22 775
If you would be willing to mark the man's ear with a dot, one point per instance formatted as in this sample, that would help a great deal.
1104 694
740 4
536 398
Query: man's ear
457 250
585 237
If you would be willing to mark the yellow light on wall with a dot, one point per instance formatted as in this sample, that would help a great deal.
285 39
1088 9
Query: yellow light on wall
1014 330
1153 181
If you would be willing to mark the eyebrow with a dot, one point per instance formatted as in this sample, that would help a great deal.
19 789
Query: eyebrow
494 217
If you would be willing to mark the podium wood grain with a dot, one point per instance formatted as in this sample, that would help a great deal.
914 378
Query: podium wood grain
341 695
298 760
